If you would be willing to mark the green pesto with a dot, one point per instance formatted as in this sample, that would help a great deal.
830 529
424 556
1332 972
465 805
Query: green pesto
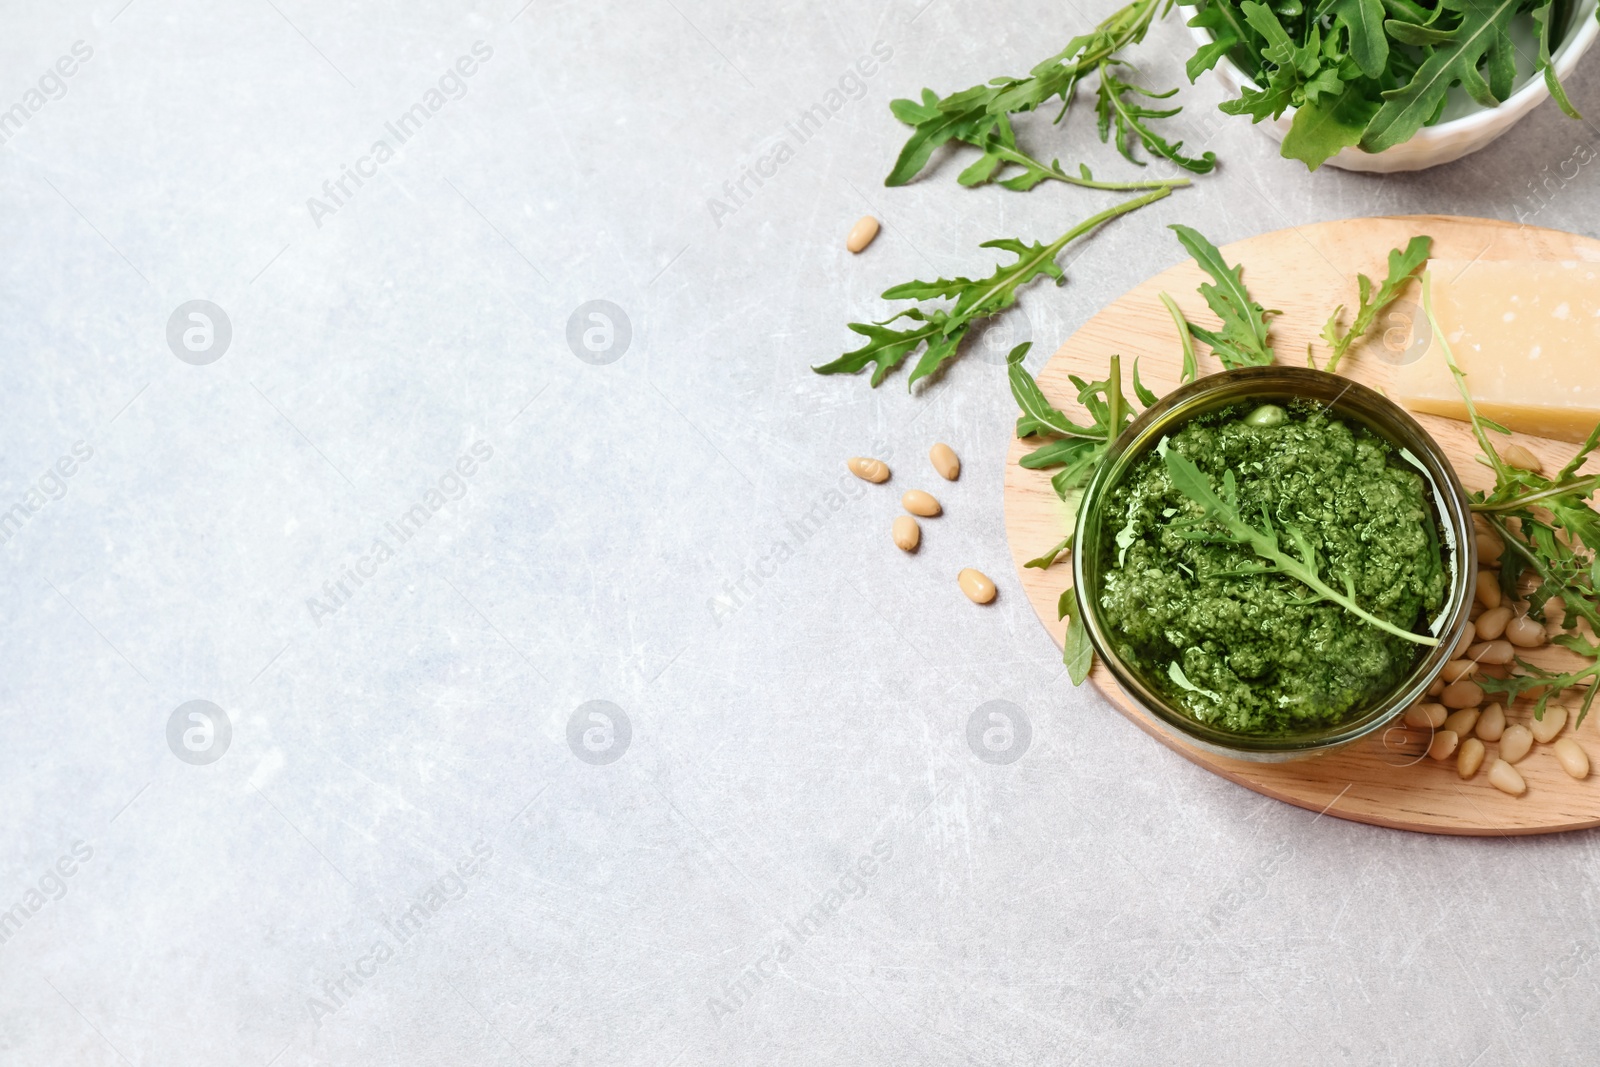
1254 653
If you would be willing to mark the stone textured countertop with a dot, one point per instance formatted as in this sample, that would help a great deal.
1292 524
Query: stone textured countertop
312 417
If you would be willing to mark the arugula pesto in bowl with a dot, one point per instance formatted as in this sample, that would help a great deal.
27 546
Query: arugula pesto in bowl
1274 561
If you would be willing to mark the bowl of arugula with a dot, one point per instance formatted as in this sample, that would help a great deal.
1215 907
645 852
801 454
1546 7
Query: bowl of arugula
1390 85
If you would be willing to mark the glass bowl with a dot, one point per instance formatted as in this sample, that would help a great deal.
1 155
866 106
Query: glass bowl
1352 402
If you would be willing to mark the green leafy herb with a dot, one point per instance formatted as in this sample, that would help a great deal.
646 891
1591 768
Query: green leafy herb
1480 31
941 329
1046 561
1117 106
1543 15
1181 680
1549 683
1551 532
1402 265
980 116
1241 341
1222 517
1371 73
1076 651
1191 367
1078 450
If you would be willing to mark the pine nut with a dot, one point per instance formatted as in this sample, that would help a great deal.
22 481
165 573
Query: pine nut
1489 548
1492 723
1573 759
1494 653
919 503
868 470
907 534
1443 745
1425 716
1555 720
1488 589
1463 643
1492 623
1463 694
1505 778
1469 758
862 233
977 586
1555 614
1458 669
1461 722
1436 687
945 461
1515 742
1525 632
1521 458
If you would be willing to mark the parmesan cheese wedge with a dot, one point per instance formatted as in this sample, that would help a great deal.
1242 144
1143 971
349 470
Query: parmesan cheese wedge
1527 335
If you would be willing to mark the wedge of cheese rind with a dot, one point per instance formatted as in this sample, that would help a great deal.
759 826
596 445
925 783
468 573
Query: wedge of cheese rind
1527 335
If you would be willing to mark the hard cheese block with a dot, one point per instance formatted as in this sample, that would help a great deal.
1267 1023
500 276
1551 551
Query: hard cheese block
1527 334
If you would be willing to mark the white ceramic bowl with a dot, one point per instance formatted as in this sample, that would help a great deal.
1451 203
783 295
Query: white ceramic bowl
1466 126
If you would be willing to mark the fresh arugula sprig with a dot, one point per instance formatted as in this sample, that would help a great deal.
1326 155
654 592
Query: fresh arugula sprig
941 329
1223 520
1078 450
1118 108
1403 265
1241 340
981 116
1191 368
1077 652
1548 683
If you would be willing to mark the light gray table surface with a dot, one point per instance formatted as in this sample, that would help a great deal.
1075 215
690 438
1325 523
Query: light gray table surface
412 849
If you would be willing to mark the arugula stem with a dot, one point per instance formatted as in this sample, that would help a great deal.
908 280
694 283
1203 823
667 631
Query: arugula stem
1114 400
1013 155
1047 254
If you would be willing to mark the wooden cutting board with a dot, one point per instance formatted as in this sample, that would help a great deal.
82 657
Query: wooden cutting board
1306 271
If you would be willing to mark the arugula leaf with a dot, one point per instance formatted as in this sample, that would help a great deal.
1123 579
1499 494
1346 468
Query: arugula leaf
943 329
1076 651
1078 450
1117 105
1191 367
1550 683
1363 23
1222 513
1181 680
1242 339
1452 61
980 116
1146 397
1322 128
1402 265
1228 31
1544 14
1046 561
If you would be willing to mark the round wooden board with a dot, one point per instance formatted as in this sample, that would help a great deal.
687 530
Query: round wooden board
1305 272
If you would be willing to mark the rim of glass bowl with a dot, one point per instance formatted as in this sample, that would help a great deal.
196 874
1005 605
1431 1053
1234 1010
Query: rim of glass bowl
1350 401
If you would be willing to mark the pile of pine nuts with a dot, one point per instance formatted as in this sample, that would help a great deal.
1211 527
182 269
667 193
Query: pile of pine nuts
1456 714
906 533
